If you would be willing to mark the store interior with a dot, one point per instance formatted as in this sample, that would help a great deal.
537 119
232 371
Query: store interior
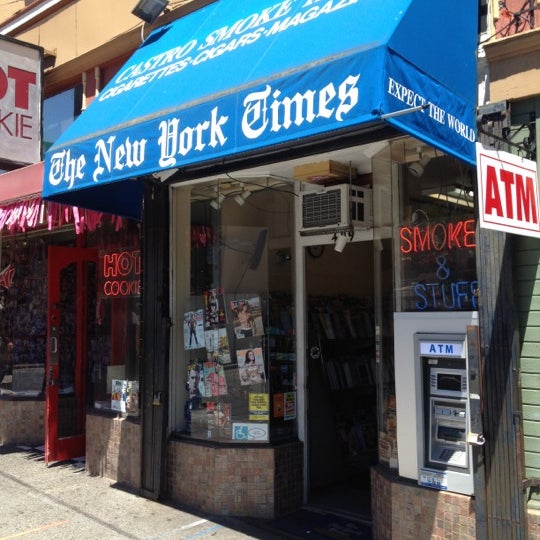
341 390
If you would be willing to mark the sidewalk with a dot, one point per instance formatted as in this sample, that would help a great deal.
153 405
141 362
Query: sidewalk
63 502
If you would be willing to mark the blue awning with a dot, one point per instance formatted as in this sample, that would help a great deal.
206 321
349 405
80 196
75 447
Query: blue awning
238 77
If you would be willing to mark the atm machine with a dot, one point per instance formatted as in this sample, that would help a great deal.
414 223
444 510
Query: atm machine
444 455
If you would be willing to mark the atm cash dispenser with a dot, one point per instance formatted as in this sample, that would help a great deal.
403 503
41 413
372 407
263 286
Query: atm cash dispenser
445 456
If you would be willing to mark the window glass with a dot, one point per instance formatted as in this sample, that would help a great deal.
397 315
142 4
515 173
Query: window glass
23 318
112 289
237 351
59 112
436 264
114 323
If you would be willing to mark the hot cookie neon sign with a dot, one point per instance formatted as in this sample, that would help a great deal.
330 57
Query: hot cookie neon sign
120 273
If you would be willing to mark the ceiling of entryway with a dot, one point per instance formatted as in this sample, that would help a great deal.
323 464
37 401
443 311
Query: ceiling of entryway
358 158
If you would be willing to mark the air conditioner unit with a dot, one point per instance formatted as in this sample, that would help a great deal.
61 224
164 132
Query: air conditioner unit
332 207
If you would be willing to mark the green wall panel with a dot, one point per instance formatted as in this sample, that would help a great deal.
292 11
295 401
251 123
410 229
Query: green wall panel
531 349
527 276
531 428
531 412
530 396
529 365
530 381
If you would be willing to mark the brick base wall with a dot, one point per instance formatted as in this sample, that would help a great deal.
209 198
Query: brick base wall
533 524
113 449
263 482
22 421
402 509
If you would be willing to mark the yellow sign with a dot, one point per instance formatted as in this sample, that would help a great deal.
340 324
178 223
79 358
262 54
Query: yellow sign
259 407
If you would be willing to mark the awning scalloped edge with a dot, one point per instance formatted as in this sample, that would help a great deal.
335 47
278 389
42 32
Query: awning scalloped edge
34 213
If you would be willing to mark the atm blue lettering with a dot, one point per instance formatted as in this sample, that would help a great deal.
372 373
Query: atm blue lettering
441 348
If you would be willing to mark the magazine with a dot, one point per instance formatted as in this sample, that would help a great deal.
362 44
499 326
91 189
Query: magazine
247 317
217 345
125 396
214 309
193 330
251 366
215 383
221 414
195 380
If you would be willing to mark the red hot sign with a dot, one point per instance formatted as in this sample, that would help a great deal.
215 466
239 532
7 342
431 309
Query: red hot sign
120 274
508 195
20 101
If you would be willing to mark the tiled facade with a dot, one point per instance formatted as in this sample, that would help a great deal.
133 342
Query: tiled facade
260 482
403 510
533 524
113 449
22 421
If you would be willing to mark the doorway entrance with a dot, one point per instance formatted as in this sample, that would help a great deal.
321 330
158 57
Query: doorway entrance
341 389
71 296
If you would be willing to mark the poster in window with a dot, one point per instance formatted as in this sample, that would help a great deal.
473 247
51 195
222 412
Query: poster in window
251 366
290 406
247 317
193 330
195 380
125 396
119 395
214 309
217 345
259 407
215 383
220 414
279 405
132 399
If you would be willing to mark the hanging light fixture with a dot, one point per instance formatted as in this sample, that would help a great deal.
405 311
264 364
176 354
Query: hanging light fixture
342 238
341 242
216 203
418 167
149 10
241 198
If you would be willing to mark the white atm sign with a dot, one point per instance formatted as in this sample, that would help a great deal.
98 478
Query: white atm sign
429 348
508 194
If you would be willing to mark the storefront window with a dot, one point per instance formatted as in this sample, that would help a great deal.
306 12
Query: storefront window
114 326
435 238
237 339
23 318
107 330
59 112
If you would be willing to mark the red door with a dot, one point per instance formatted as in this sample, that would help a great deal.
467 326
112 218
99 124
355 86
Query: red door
71 275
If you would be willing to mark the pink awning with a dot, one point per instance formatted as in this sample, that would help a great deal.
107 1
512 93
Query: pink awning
21 183
22 208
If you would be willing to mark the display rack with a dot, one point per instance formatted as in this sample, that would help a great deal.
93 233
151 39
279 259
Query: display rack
342 331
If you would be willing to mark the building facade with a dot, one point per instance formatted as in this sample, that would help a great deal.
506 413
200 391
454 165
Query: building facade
297 257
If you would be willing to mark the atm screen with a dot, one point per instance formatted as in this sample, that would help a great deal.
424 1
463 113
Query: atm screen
449 381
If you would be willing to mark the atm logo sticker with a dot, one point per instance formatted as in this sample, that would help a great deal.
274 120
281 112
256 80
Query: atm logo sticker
441 349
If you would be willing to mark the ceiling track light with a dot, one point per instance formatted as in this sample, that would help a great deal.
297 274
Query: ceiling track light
242 197
341 239
418 167
216 203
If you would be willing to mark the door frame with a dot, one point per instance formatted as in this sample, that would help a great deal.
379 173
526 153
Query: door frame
65 448
300 279
155 302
